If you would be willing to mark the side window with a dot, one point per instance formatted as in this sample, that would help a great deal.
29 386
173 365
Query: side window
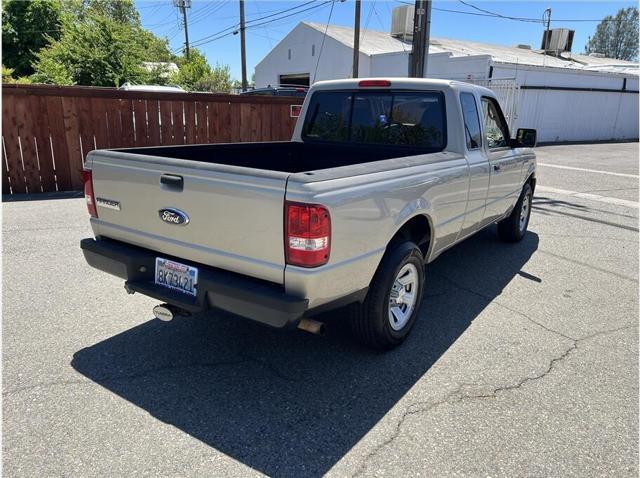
471 121
495 127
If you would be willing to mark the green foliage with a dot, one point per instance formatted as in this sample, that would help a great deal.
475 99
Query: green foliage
100 51
195 74
616 37
7 77
156 48
27 27
97 52
192 70
217 81
121 11
96 43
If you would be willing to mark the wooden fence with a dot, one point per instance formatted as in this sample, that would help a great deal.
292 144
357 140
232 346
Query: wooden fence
47 131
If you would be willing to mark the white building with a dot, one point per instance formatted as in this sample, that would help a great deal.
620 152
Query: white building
571 98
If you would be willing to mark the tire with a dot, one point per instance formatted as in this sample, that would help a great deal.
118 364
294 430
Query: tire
514 227
371 321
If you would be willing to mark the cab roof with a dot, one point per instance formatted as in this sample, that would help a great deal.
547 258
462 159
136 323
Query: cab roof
398 83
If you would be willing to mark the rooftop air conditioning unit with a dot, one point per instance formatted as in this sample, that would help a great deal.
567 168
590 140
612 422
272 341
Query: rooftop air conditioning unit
557 40
402 22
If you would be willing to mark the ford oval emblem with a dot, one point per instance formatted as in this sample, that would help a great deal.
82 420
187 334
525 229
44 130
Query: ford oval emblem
173 216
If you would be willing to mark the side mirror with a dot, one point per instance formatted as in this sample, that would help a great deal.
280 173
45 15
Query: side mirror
525 138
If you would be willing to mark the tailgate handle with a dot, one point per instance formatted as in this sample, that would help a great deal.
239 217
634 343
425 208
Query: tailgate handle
172 181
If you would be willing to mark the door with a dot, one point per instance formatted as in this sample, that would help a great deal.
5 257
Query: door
478 165
505 164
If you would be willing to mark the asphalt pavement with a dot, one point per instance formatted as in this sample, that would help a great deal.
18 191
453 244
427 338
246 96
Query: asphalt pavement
524 361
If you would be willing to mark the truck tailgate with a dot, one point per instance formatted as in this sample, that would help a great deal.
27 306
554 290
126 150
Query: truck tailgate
235 215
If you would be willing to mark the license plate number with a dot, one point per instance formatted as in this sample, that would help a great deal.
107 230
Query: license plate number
176 276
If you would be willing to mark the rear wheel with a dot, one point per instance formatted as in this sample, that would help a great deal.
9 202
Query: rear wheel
390 309
514 227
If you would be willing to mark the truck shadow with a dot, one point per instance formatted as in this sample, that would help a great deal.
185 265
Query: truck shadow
293 404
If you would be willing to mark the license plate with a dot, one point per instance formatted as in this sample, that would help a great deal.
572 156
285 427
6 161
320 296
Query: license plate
176 276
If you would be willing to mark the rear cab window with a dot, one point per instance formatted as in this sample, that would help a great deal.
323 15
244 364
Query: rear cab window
401 118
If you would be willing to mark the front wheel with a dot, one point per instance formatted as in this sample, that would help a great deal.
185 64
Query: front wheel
390 309
514 227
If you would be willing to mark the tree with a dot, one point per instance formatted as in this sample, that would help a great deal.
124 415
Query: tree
98 51
122 11
193 70
616 37
27 27
195 74
217 81
7 77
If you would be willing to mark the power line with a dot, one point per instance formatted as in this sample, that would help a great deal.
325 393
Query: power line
533 19
203 13
499 15
506 17
232 30
215 36
326 28
366 23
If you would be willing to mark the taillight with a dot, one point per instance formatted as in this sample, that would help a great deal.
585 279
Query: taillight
307 234
87 178
373 83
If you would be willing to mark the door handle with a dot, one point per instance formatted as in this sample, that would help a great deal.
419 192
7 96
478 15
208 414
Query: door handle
496 167
173 182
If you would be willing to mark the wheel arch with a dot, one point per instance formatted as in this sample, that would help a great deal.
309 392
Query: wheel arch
419 229
531 179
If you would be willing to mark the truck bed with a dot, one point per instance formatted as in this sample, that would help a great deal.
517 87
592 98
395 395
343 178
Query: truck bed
285 156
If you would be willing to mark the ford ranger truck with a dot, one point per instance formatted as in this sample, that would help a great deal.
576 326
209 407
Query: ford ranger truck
380 177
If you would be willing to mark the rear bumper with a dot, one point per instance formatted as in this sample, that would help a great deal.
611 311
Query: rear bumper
251 298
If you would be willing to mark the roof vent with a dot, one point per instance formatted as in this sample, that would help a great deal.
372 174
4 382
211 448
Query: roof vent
522 46
402 22
597 55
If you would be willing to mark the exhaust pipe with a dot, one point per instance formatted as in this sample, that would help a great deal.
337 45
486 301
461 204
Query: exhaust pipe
166 312
312 326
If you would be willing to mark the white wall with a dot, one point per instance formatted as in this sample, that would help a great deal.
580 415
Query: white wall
564 115
439 65
335 62
390 64
557 115
444 66
579 115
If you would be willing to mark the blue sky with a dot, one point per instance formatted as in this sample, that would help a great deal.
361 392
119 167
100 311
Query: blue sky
208 17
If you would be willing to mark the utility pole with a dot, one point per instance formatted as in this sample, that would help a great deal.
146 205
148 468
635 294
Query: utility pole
356 40
243 48
546 16
183 5
420 43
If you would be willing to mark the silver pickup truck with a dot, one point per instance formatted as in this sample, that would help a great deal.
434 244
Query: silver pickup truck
381 176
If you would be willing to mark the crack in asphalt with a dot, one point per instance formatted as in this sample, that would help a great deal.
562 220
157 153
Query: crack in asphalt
492 300
153 371
457 396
